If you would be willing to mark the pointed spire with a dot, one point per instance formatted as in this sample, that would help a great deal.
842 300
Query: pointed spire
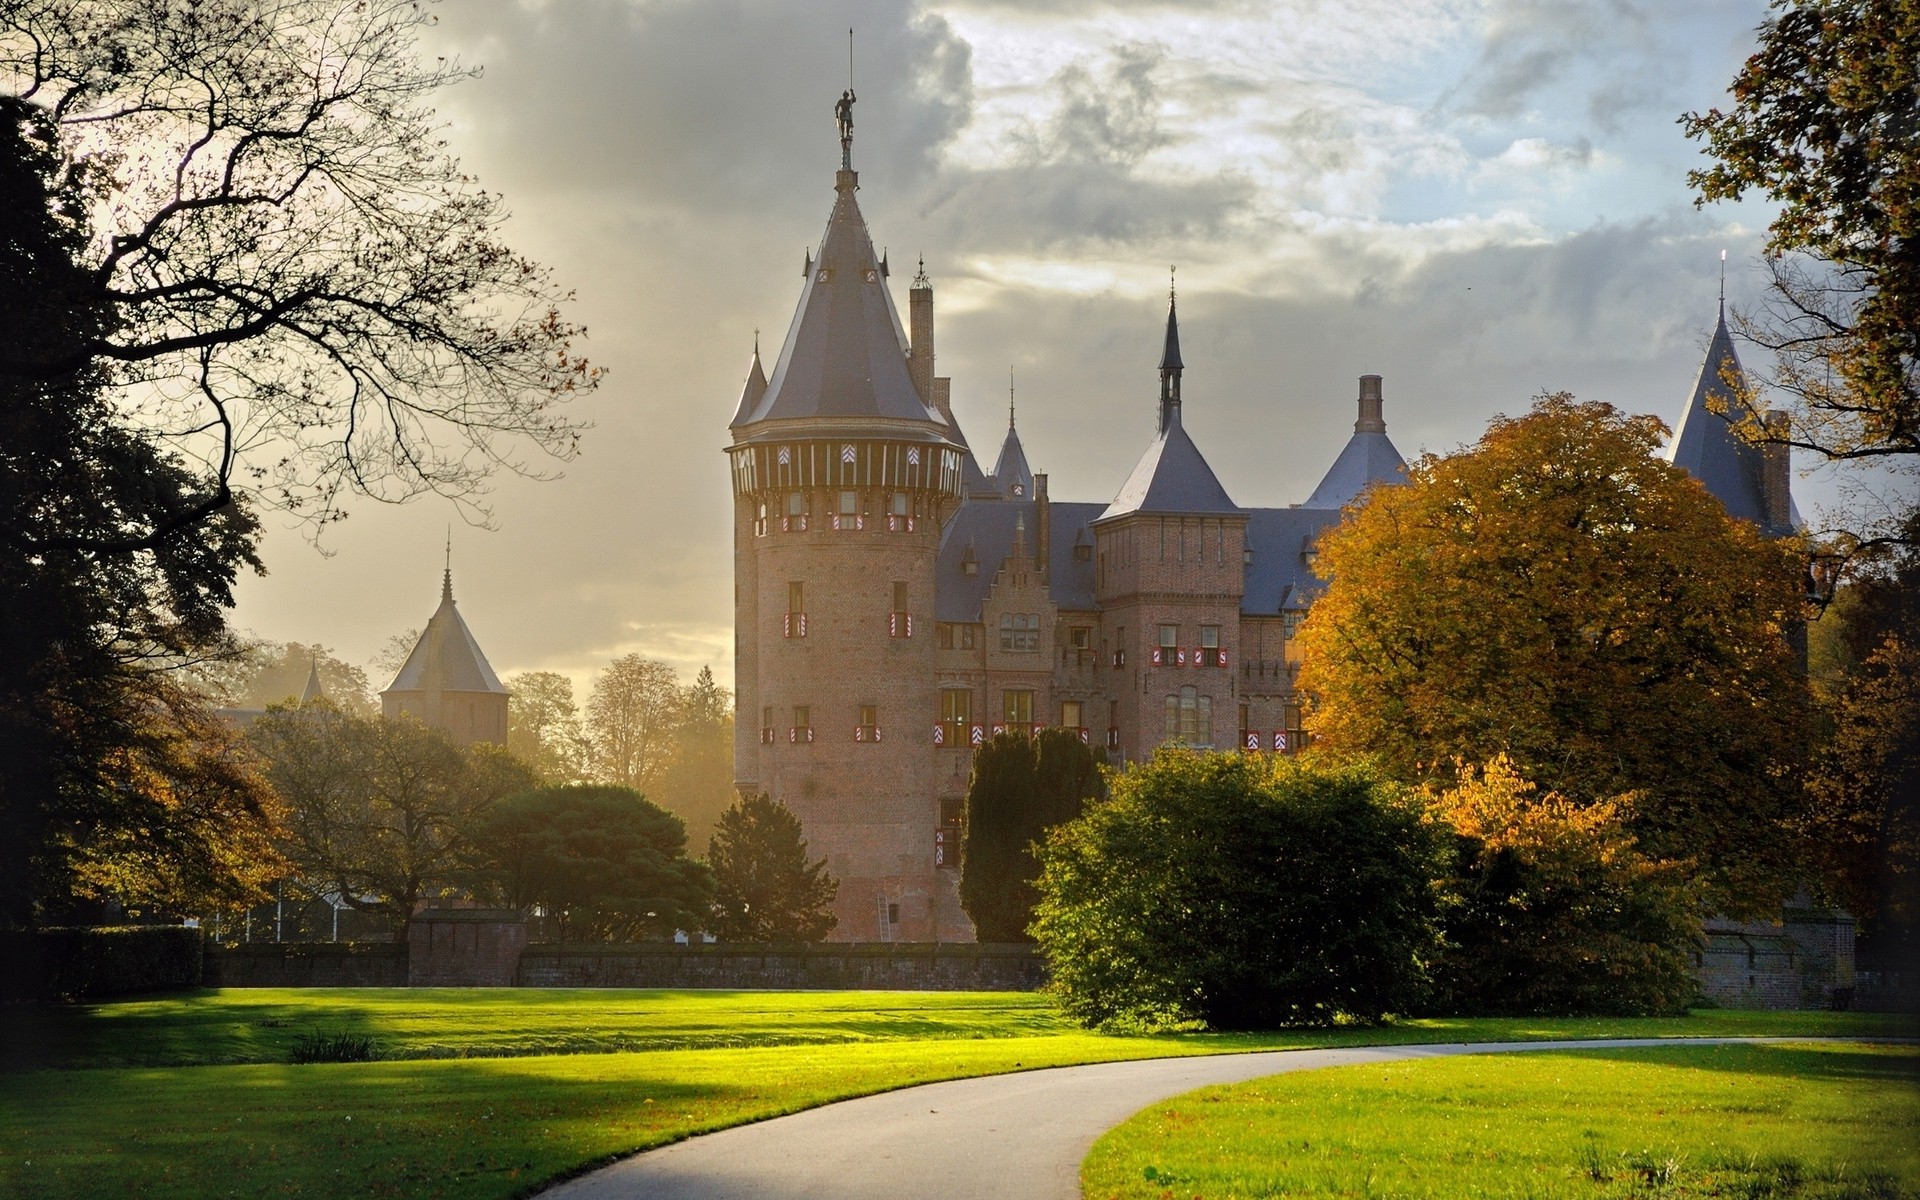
1170 364
1009 398
754 389
1707 445
446 577
313 691
1369 457
1723 287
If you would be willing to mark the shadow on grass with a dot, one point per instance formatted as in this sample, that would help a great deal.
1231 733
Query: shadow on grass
1894 1070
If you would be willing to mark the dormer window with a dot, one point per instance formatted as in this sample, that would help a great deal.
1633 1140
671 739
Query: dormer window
1083 552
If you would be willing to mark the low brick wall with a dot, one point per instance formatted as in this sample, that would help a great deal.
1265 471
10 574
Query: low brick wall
1804 961
902 966
306 964
464 947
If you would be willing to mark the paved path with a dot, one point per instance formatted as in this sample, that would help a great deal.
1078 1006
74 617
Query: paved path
1004 1137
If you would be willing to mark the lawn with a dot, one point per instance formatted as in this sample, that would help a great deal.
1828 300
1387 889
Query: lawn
475 1103
1833 1122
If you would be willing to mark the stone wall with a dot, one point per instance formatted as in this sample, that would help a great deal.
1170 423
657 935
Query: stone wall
464 947
1805 961
902 966
306 964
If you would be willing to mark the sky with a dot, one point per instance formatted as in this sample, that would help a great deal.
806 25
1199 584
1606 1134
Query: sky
1479 200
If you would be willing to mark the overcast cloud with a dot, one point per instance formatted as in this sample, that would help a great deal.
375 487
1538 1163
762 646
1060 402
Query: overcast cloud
1478 199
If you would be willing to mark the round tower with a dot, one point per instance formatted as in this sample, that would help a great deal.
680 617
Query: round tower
843 476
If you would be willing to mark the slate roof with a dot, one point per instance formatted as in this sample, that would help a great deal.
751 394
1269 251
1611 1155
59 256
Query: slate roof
987 527
1706 446
1172 476
313 691
446 658
1366 459
753 392
1011 475
845 353
1278 578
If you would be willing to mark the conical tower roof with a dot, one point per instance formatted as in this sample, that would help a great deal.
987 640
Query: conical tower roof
1172 476
1705 444
846 351
1012 477
313 691
753 392
446 658
1369 456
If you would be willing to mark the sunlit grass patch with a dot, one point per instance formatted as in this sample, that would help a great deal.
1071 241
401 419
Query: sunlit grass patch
1824 1122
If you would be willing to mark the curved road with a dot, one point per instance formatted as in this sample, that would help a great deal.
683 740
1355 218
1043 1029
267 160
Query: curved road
1004 1137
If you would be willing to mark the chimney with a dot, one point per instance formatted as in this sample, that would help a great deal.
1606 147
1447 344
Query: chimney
1776 487
1370 419
943 397
1042 522
920 335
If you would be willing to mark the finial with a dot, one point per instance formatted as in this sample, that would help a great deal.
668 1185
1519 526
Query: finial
1170 290
920 280
446 578
756 341
1723 285
1009 397
843 111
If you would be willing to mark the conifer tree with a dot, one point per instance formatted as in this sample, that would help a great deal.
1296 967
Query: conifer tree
765 890
1021 788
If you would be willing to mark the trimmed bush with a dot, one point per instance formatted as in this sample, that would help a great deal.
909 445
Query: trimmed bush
1240 892
88 963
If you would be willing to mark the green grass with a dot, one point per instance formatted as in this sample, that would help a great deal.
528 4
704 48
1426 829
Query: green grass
255 1025
1832 1122
467 1106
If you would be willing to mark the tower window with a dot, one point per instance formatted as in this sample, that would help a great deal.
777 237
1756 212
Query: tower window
899 620
1072 714
802 728
1020 633
956 717
794 623
849 503
1189 718
868 730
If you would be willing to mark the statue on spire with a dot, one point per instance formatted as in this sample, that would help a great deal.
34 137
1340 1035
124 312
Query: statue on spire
843 117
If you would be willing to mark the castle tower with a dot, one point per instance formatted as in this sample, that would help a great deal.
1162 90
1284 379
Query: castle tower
844 471
1169 579
1369 457
447 683
1752 482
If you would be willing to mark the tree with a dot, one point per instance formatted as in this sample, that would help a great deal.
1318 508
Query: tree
1824 124
1557 594
378 811
601 859
543 725
88 639
1241 892
308 290
1865 788
696 783
1552 909
764 889
265 673
1021 787
630 721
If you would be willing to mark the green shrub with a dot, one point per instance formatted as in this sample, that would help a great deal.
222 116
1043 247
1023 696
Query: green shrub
315 1046
1551 909
1241 892
84 963
1021 787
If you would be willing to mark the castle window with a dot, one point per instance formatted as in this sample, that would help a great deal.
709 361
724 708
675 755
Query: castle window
1211 655
1294 736
1189 718
849 517
1017 708
1072 715
766 725
1083 552
956 718
1246 714
1290 625
849 503
956 636
1020 633
802 728
899 519
868 730
899 621
760 520
794 623
796 518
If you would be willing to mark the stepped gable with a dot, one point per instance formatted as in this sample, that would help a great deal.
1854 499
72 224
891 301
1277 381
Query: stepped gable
984 532
846 353
446 658
1705 445
1172 476
1369 456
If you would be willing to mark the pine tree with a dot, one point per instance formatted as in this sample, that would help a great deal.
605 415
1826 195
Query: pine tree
765 890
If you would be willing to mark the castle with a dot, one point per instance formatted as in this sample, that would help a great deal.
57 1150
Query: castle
895 605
